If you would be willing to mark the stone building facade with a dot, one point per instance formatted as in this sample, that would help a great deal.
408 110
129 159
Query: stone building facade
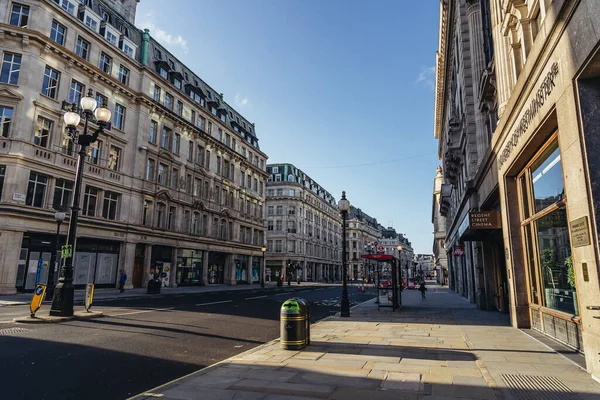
175 187
362 231
465 120
303 227
545 150
439 231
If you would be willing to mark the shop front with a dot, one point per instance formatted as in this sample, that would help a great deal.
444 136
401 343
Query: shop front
37 254
241 269
273 270
547 157
160 264
256 270
216 267
189 267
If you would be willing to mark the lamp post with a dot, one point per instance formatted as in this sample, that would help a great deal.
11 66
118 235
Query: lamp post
62 301
344 206
399 272
262 268
59 216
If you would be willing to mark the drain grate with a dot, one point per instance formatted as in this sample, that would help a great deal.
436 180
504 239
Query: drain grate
532 387
11 331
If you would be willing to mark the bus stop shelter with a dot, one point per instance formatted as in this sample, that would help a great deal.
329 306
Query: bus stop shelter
390 291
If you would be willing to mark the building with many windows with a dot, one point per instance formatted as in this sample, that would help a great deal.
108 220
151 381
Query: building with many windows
174 187
439 230
362 231
303 227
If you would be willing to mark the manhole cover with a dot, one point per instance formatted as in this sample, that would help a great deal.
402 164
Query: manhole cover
12 331
532 387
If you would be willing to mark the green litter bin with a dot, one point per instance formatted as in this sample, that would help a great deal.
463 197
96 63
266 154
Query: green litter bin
294 324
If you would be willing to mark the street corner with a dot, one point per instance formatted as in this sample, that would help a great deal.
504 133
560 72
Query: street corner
49 319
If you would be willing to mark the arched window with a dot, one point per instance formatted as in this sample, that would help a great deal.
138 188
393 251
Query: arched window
290 178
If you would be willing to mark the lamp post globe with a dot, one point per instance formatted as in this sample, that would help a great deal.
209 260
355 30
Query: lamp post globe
344 206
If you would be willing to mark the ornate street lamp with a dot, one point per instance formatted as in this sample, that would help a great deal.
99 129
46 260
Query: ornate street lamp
62 302
344 206
262 268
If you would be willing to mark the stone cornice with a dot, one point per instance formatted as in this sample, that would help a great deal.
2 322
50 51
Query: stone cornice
440 67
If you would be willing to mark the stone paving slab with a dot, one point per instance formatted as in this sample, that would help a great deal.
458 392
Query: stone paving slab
450 354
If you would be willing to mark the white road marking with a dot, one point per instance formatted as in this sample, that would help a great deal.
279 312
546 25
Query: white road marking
141 312
257 297
214 302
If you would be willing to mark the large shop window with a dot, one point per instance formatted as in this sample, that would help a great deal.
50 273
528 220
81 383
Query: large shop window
546 232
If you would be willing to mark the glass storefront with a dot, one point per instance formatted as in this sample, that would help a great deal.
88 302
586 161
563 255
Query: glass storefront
546 233
189 267
255 271
216 268
241 270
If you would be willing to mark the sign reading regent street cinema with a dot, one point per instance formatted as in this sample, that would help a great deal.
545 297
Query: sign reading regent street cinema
535 104
484 220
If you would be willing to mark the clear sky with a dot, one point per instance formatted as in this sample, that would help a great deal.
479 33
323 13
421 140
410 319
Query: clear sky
342 89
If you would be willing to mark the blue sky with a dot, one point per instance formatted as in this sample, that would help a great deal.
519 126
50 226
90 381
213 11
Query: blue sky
342 89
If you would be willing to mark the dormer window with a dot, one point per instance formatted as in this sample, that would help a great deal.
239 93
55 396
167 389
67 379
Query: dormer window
185 76
66 5
223 118
171 64
177 83
128 50
88 3
157 54
91 23
163 72
105 16
111 37
213 110
195 83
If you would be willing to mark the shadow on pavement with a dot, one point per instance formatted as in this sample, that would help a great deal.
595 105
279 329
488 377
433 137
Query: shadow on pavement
80 372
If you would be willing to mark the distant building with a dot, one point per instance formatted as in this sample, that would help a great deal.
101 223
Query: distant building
362 229
439 231
425 265
303 227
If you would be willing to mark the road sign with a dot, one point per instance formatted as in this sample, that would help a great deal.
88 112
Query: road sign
38 296
376 244
66 251
380 248
459 251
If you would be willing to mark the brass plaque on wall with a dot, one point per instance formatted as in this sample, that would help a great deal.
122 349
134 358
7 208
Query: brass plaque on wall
580 232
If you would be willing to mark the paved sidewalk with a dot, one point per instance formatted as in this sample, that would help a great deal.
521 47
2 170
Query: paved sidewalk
432 349
108 294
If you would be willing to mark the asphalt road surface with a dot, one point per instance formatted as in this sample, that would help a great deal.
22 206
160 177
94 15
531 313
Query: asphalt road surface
142 343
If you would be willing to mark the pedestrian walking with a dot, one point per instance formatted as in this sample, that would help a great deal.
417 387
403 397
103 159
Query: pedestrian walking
422 289
122 280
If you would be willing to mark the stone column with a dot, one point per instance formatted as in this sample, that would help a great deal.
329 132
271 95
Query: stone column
10 246
205 267
126 263
147 264
229 270
249 270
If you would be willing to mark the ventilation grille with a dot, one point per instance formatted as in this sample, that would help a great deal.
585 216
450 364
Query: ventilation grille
531 387
12 331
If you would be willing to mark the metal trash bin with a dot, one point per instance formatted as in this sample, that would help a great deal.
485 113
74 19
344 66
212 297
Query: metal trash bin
153 287
294 324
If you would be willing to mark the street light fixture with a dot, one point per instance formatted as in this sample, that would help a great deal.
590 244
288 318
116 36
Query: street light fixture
62 301
262 268
344 206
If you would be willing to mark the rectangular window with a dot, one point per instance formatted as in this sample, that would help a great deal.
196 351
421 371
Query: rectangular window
94 151
123 75
165 138
188 183
66 5
114 158
43 130
150 166
111 37
209 127
75 92
153 130
50 82
5 120
242 178
176 142
128 50
109 208
19 15
218 169
90 199
105 63
200 122
160 215
200 155
179 108
156 95
278 246
171 218
91 23
36 190
58 32
197 187
146 212
163 73
175 178
207 160
119 117
63 193
101 100
177 83
169 101
193 117
163 174
11 66
292 193
82 48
